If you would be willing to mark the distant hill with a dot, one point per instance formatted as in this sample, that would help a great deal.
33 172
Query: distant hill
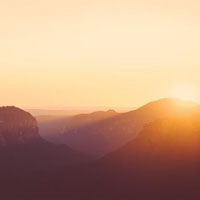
52 128
99 137
71 111
56 112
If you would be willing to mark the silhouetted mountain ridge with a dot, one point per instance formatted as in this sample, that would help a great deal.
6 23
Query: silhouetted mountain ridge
104 136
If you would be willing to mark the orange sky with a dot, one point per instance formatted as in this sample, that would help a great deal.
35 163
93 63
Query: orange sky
97 53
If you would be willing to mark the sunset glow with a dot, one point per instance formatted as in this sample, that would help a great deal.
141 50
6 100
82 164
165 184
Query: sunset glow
97 53
185 92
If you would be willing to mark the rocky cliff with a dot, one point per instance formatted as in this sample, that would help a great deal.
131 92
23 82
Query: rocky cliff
17 127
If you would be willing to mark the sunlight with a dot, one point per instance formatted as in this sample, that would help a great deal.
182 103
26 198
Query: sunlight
185 92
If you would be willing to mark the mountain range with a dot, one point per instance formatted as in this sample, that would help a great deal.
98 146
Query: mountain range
156 155
99 133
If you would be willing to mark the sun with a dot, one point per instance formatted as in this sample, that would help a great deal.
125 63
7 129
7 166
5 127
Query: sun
185 92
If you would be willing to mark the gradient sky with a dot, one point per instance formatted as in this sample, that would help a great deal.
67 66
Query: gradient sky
98 52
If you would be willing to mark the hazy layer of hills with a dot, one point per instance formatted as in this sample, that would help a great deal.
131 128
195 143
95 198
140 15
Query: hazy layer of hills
158 155
102 132
70 111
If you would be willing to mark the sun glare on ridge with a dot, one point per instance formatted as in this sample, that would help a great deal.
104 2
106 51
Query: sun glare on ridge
184 92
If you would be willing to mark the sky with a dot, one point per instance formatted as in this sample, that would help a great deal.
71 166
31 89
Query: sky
57 53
